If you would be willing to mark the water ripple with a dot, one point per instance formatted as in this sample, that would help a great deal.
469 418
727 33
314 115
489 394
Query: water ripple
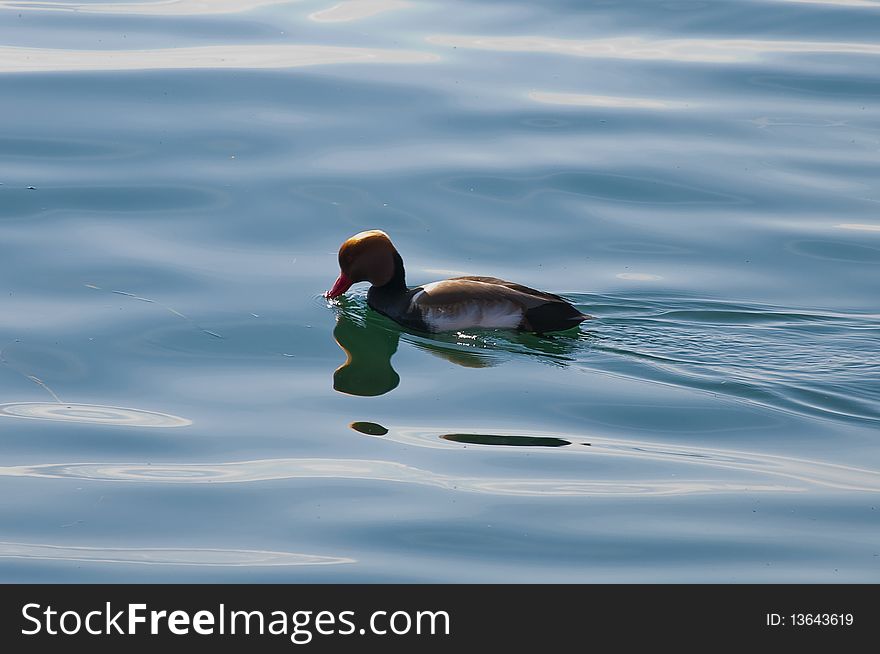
154 8
692 50
607 101
814 473
861 227
94 414
611 187
386 471
33 60
350 10
823 364
842 3
164 555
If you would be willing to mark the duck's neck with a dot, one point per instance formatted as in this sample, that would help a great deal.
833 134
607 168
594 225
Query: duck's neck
397 283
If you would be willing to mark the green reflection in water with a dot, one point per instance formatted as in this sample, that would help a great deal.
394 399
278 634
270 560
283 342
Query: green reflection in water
369 428
368 348
514 441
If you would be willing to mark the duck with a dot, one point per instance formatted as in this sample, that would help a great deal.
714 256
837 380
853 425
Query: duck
450 304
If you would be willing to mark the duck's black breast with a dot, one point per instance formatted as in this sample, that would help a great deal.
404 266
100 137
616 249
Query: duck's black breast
397 304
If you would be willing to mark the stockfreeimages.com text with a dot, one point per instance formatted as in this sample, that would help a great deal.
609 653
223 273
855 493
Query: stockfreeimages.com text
300 626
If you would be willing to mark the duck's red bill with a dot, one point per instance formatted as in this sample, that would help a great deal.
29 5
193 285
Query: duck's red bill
341 285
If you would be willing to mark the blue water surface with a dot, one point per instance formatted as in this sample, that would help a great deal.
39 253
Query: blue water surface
178 402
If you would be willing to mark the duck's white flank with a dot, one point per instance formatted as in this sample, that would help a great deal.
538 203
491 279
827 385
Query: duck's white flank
467 314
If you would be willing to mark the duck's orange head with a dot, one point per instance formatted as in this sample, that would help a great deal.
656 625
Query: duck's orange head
365 257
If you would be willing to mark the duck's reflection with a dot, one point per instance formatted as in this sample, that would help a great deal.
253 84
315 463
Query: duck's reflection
370 340
367 370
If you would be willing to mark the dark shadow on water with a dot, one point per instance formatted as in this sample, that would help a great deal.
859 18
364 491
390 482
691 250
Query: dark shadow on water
369 428
509 441
370 340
